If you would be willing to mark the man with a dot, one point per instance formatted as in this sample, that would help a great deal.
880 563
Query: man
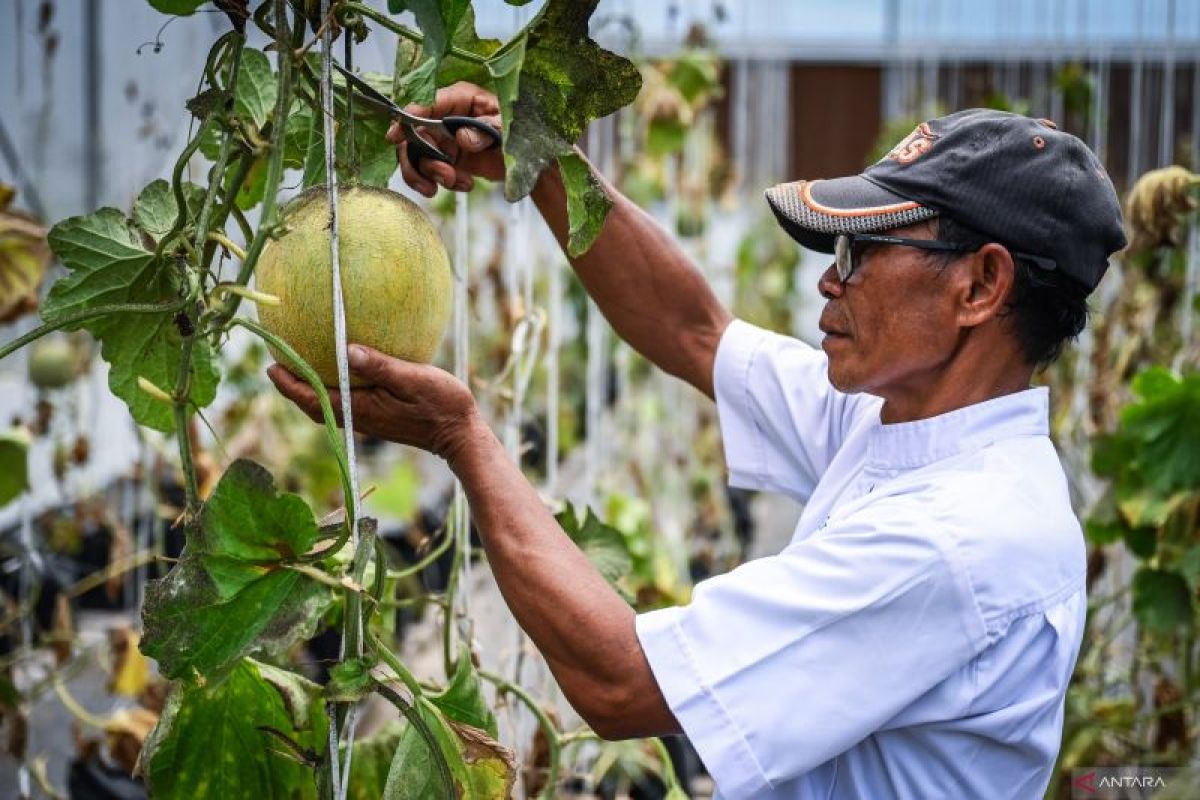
916 637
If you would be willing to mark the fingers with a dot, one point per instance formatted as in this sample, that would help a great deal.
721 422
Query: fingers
298 391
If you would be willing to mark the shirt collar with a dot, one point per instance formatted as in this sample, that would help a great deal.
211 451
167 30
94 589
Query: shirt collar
908 445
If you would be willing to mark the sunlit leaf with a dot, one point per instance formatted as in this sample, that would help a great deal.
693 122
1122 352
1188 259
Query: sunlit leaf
231 594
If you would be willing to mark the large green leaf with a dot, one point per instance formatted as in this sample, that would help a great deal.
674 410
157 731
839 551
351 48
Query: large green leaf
232 595
257 87
212 741
1162 601
1165 423
110 260
462 700
480 768
14 465
551 82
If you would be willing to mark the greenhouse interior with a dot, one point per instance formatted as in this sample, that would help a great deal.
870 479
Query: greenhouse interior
938 536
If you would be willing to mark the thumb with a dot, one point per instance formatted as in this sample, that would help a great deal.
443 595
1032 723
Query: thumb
368 363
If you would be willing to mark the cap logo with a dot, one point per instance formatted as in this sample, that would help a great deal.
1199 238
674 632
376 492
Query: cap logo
913 146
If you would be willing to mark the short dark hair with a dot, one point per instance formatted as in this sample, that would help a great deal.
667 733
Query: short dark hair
1048 308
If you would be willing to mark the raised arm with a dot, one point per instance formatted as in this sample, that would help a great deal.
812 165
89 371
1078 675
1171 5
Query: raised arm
643 282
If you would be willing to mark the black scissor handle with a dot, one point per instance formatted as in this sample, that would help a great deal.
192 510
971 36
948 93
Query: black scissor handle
454 123
419 149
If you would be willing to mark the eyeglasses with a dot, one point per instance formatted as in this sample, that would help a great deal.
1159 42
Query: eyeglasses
847 253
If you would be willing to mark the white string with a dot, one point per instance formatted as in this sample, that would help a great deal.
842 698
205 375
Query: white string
340 787
554 337
460 513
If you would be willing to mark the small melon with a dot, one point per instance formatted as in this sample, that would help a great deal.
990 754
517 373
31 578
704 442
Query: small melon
396 278
52 363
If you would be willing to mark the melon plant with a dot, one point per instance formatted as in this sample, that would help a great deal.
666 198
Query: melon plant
259 574
395 274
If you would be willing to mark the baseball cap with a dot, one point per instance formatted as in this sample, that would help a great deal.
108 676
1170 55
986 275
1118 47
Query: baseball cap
1015 179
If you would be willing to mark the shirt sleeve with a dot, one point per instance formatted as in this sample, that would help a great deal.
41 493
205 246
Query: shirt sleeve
790 660
782 421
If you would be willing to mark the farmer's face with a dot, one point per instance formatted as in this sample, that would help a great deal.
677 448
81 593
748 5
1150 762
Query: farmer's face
892 326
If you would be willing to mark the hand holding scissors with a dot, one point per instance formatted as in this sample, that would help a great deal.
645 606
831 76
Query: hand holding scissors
419 147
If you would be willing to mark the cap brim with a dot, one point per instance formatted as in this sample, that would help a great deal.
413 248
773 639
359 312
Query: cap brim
815 212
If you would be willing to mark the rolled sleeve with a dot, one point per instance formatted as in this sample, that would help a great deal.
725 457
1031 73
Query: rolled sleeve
787 661
782 422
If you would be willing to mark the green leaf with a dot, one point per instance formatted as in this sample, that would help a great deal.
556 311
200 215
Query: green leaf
254 97
438 20
587 203
414 774
1142 542
603 544
1166 426
376 155
155 209
14 464
110 262
462 700
453 68
183 8
231 594
480 768
210 741
1162 601
551 82
1189 567
372 760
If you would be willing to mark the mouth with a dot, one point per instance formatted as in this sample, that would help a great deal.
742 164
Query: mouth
829 329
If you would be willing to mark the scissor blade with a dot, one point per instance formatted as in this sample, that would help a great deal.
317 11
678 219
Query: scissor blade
370 95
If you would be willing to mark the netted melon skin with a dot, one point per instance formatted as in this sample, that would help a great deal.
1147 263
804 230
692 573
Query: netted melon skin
396 278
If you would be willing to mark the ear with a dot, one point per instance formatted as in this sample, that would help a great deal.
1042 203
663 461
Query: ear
987 282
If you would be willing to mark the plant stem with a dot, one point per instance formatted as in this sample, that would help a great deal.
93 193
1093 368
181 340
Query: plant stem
388 657
413 36
269 217
301 366
429 558
86 314
224 241
183 385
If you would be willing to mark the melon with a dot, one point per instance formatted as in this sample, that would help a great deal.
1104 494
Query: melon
52 363
396 278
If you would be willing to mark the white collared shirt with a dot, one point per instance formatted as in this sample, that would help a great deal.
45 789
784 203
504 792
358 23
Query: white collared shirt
916 637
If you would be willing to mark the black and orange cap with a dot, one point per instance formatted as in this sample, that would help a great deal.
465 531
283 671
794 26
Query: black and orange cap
1019 180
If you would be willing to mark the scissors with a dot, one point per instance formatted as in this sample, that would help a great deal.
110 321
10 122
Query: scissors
418 146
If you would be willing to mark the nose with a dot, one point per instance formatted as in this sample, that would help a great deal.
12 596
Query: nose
829 284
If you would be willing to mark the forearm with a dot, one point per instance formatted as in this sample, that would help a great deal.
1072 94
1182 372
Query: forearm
577 621
643 282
